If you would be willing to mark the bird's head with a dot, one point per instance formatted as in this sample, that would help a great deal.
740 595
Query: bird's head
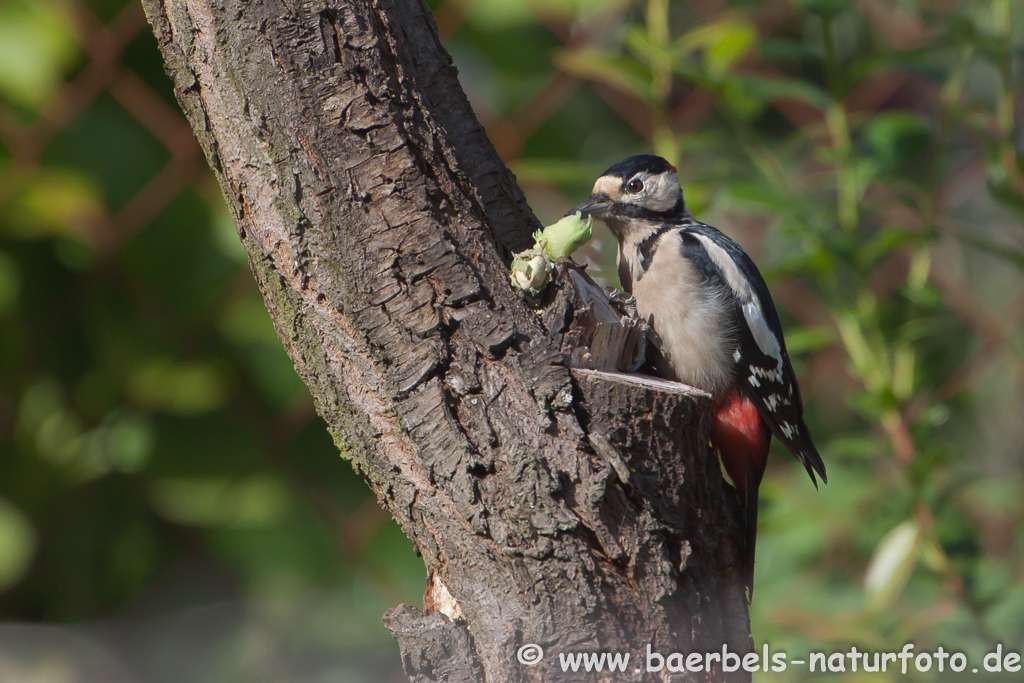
643 188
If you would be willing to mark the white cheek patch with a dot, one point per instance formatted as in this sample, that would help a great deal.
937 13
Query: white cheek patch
661 192
752 311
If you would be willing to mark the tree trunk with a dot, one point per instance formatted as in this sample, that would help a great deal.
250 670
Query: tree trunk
576 510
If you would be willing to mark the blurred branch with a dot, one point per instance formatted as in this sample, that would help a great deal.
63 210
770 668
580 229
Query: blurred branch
572 510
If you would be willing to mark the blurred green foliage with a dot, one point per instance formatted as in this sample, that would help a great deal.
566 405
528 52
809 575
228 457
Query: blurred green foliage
158 453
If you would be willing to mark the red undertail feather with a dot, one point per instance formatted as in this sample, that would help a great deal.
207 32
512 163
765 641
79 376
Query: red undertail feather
742 439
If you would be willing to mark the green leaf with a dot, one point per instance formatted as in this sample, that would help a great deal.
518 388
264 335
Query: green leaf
246 321
894 136
738 100
761 196
498 14
894 560
51 202
179 388
121 442
17 544
885 242
869 361
722 43
256 501
37 48
649 51
857 446
622 73
805 339
560 171
774 89
730 41
561 239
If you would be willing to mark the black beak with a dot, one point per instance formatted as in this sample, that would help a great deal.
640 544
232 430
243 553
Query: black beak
597 206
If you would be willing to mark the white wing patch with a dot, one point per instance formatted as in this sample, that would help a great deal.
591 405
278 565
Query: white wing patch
773 374
774 401
752 311
763 335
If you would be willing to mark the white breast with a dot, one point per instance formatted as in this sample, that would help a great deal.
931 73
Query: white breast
691 318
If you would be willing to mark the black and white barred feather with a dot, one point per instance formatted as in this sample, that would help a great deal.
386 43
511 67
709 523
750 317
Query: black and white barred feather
763 370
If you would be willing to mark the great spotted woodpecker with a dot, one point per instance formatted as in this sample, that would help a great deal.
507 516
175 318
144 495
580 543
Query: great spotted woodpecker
719 331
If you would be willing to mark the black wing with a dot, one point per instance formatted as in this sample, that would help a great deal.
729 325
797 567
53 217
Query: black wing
766 378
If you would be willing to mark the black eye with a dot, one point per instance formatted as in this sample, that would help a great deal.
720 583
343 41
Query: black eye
635 186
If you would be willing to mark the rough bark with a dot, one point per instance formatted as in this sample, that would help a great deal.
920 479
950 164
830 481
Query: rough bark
574 509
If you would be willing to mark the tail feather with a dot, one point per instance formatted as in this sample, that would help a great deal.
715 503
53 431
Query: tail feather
808 455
